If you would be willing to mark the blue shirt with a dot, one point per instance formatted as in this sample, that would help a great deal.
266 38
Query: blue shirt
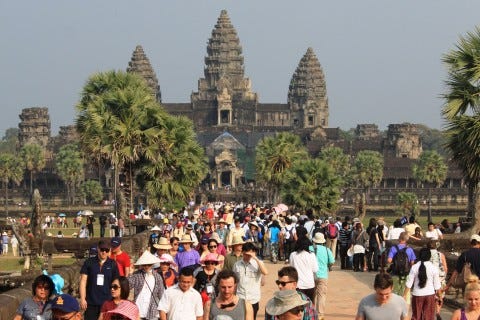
409 251
96 295
274 232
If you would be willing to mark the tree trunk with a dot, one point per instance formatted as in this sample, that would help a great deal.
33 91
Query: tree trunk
476 219
471 201
31 183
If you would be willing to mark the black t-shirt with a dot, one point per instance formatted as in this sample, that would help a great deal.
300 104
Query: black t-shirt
472 255
372 242
202 279
103 220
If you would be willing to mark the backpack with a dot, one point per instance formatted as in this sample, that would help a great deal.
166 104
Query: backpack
400 263
332 231
289 234
111 220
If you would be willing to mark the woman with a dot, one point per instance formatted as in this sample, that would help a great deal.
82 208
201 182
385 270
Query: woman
167 270
220 247
254 235
120 289
213 248
207 230
203 247
438 259
175 243
205 276
286 305
359 239
423 282
374 245
36 306
274 238
472 296
306 264
418 234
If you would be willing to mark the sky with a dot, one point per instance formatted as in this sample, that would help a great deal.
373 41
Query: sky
381 59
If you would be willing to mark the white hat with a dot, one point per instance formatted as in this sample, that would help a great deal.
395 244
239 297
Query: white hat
146 259
475 237
283 301
319 238
156 228
4 233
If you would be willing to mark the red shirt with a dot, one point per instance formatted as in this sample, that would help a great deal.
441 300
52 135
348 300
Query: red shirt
123 261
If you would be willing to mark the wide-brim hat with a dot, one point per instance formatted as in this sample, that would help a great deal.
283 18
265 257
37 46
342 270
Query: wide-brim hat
163 244
319 238
156 228
186 238
283 301
147 259
127 309
166 258
475 237
237 240
213 257
253 223
215 237
222 221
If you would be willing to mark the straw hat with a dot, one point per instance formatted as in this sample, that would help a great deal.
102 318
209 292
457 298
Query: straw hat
215 237
253 223
237 240
186 239
162 244
221 221
283 301
147 259
319 238
210 257
156 228
127 309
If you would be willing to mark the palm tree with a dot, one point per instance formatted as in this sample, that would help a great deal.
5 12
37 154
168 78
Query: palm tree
33 157
430 169
274 156
69 163
10 171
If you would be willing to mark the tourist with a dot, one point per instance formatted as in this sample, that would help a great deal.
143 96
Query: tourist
14 243
5 243
168 270
205 276
331 235
181 302
103 224
120 289
400 276
306 264
175 243
147 286
163 246
222 231
213 249
383 304
235 255
83 233
472 298
189 257
227 303
96 276
65 306
411 225
190 233
203 247
359 245
120 227
374 246
127 310
236 231
325 259
438 259
112 220
121 257
274 240
471 256
37 307
290 237
90 221
344 242
220 247
249 271
418 234
154 238
286 305
424 283
287 280
395 231
433 233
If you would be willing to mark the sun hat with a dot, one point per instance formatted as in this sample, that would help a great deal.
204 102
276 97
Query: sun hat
115 242
65 303
147 259
165 220
222 221
4 233
210 257
186 239
319 238
156 228
237 240
127 309
189 227
166 258
215 237
283 301
163 243
253 223
475 237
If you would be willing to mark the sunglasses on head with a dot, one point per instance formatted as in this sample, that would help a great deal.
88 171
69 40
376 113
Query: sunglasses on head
114 287
282 283
104 250
296 310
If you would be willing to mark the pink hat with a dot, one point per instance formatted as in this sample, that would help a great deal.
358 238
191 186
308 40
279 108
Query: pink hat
166 258
127 309
210 257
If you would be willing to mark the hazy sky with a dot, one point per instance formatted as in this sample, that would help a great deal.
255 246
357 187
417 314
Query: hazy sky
381 59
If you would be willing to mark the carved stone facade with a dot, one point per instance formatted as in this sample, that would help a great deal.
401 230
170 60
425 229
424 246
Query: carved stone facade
139 64
366 131
403 141
34 127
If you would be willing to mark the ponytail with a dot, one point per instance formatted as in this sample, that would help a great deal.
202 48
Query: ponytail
422 275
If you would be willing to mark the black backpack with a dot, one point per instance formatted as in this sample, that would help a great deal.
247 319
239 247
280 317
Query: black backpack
400 263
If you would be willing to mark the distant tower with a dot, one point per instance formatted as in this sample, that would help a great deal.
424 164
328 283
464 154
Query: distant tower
139 64
307 94
34 127
403 141
224 96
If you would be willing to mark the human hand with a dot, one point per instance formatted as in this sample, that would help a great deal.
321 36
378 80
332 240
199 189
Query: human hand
83 304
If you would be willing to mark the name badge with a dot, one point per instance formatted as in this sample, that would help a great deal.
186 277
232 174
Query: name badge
209 288
100 279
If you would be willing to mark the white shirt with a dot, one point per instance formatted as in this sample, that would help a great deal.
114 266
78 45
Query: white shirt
306 265
433 280
394 234
179 305
434 235
249 283
143 298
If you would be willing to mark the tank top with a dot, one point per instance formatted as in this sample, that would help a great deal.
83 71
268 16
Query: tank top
221 314
463 316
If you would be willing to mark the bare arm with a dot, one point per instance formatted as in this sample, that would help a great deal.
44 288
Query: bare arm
163 315
206 309
17 317
456 315
444 263
248 311
128 271
359 317
83 291
261 266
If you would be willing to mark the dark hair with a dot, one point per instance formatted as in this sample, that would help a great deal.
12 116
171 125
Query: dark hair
212 240
124 287
423 256
186 272
383 281
45 281
288 220
248 246
397 223
303 244
172 239
431 224
290 272
344 224
225 274
372 224
411 219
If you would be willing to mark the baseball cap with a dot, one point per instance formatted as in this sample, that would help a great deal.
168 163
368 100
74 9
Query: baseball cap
65 303
115 242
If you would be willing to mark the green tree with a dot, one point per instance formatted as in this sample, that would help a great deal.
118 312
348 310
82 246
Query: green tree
9 141
367 172
338 160
10 171
432 139
274 157
69 163
430 169
408 202
92 191
312 183
33 157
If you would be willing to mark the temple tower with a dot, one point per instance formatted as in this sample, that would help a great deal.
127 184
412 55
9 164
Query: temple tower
34 127
139 64
224 96
403 141
307 94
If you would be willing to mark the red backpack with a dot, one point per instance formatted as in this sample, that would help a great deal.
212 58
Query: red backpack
332 231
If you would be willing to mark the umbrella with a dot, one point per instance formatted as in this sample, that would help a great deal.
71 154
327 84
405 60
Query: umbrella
79 213
277 210
282 207
87 212
62 215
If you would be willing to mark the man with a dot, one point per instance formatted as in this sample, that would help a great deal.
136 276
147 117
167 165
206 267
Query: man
188 257
344 240
249 271
433 233
65 306
471 256
227 302
103 224
236 231
235 255
147 286
287 280
181 302
121 257
96 276
399 280
383 304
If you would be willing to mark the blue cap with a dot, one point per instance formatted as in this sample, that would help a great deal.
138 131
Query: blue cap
65 303
116 241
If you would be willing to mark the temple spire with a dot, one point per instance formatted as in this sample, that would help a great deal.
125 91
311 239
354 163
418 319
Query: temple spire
139 64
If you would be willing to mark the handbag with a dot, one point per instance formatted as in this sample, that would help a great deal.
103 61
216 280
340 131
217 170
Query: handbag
462 278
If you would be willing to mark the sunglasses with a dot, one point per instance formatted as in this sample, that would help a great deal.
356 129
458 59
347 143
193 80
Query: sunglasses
282 283
296 310
210 263
212 247
104 250
114 287
175 244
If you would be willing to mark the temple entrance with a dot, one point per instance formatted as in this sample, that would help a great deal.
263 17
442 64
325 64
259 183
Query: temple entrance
225 116
226 178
